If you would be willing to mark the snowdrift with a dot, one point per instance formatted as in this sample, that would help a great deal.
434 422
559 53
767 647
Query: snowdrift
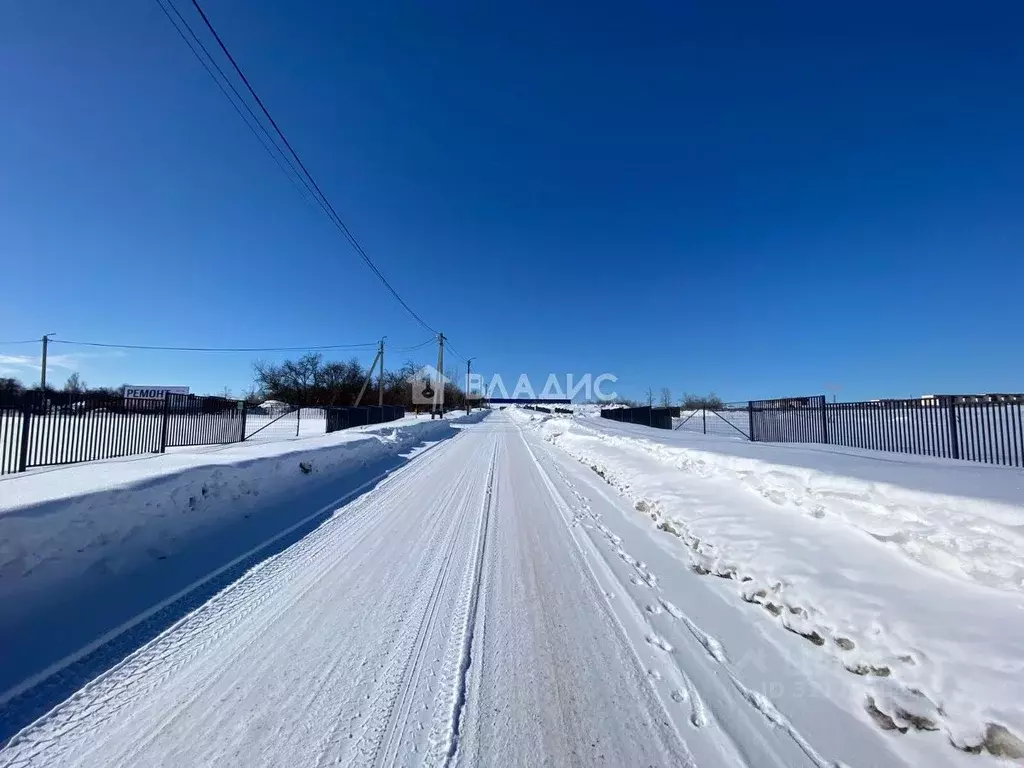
906 571
60 523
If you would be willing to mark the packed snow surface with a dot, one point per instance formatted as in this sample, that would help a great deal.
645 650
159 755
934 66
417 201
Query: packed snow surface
541 591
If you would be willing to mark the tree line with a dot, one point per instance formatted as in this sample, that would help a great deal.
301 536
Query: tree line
688 401
310 381
12 391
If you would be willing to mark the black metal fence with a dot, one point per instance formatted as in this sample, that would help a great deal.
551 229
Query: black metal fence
658 418
537 408
788 420
195 420
355 416
985 428
36 432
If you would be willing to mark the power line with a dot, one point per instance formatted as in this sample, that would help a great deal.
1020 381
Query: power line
329 209
453 350
215 349
417 346
26 341
272 148
305 177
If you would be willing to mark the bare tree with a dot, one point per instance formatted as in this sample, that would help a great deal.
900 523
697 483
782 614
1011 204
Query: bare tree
11 387
666 397
74 384
650 396
695 402
309 381
226 393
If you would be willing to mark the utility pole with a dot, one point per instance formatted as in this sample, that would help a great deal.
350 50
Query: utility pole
42 375
439 392
369 373
380 383
468 368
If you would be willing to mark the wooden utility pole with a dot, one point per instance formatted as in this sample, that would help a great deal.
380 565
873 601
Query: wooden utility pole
468 368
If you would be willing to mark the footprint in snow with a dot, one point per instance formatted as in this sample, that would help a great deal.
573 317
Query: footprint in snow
659 642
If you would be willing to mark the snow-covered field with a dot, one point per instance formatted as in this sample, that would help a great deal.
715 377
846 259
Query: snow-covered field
907 572
525 590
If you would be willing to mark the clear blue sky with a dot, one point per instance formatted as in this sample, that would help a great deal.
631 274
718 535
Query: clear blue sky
753 198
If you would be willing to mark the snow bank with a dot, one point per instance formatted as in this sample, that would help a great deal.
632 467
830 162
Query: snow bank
918 593
57 523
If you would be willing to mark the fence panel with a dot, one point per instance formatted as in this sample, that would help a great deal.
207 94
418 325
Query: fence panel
990 429
659 418
358 416
195 420
11 420
37 432
337 419
789 420
985 428
343 418
901 426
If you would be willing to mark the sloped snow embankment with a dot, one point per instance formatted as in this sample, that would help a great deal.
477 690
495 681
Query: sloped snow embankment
58 524
918 595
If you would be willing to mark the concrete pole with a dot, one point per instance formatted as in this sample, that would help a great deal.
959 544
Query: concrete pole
42 375
380 384
439 386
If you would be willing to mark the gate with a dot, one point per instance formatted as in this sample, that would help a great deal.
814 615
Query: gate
724 419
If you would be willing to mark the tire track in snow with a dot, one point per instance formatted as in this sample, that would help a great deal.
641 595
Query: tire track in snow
569 517
397 685
369 505
431 634
466 656
341 560
129 686
760 704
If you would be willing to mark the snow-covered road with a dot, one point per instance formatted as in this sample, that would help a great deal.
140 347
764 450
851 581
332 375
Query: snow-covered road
491 603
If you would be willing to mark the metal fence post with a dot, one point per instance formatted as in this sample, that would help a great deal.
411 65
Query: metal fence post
704 418
244 407
954 438
824 420
164 422
298 418
750 420
26 420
